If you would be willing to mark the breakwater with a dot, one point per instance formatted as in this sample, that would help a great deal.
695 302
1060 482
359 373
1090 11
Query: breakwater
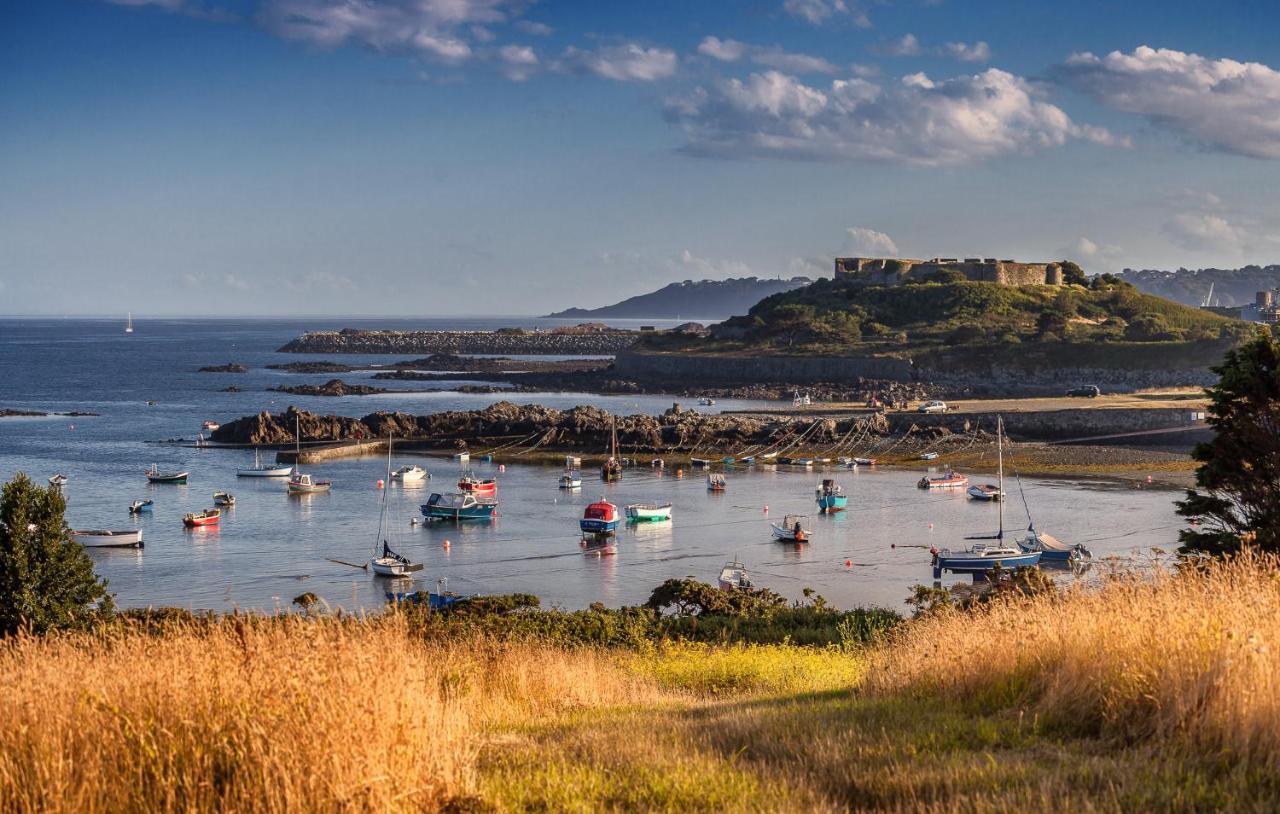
520 342
1053 425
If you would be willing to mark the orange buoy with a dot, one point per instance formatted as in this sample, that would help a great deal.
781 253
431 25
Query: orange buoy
445 545
766 508
380 483
931 525
502 467
848 563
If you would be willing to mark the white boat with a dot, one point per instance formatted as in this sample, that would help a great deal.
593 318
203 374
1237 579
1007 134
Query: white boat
986 492
648 512
929 456
224 499
462 457
571 480
259 470
734 577
300 483
409 473
128 323
715 482
792 529
385 562
801 400
58 481
102 538
210 425
706 402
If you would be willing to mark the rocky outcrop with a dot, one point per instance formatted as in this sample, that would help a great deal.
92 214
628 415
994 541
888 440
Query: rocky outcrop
333 387
537 343
313 367
229 367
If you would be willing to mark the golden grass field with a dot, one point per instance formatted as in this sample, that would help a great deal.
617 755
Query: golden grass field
1149 693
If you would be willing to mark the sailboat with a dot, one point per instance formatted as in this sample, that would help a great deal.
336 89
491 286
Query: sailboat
299 483
980 558
1052 550
612 469
387 563
128 324
259 470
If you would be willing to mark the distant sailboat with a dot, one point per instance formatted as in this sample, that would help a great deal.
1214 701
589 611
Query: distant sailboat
128 325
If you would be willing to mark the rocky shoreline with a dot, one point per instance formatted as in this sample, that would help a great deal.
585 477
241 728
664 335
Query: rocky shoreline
333 387
566 342
9 413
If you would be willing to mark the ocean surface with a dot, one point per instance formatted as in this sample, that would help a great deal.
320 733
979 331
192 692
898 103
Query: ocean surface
272 547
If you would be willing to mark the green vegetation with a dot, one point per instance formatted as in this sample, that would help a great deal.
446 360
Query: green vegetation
1237 500
46 578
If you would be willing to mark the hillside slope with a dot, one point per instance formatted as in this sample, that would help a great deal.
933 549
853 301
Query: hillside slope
1191 286
700 299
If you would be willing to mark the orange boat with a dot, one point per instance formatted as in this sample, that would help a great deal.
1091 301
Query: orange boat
208 517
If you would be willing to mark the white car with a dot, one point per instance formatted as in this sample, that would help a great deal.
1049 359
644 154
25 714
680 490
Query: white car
932 407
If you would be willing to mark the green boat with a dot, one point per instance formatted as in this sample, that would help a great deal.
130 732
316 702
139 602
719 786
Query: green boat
648 513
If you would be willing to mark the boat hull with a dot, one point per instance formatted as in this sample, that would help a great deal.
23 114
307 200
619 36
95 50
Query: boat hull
592 526
265 472
179 479
648 514
450 513
128 538
830 504
968 564
386 567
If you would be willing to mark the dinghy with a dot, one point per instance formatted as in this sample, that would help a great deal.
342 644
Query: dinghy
648 512
792 529
734 577
409 473
831 497
985 491
58 481
208 517
139 506
224 499
102 538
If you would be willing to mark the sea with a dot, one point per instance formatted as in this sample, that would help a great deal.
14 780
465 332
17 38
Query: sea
145 390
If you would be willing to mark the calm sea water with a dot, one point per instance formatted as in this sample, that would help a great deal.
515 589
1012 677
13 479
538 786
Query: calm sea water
271 547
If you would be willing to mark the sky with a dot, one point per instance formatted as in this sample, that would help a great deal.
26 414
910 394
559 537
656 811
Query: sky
437 157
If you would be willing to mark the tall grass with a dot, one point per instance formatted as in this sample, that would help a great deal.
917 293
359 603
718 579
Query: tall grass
1189 659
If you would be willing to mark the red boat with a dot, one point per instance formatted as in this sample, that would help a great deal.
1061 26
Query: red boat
476 487
208 517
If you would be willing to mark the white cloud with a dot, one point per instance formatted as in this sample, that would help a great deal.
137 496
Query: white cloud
914 121
1221 104
1202 232
533 28
194 8
708 269
1085 247
772 56
818 12
977 52
628 62
906 46
860 241
518 61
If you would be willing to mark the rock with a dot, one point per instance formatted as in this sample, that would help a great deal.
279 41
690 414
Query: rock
313 367
333 387
231 389
229 367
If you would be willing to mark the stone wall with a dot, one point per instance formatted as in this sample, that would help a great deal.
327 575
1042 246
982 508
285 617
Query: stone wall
894 271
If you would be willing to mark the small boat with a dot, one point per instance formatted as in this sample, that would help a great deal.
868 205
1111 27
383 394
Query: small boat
479 487
387 563
947 480
462 457
648 512
301 483
409 473
611 471
863 461
831 497
259 470
801 400
102 538
58 481
224 499
572 462
700 463
805 462
458 506
715 482
154 475
792 529
128 323
728 460
139 506
706 402
600 517
208 517
210 425
439 599
734 577
985 491
571 480
1052 549
929 456
658 463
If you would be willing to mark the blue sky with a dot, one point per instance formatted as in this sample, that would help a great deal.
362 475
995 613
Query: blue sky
504 156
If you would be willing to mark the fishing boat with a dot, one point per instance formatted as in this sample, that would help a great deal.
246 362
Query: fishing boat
139 506
648 512
715 482
571 479
792 529
830 496
128 323
224 499
611 471
409 473
259 470
706 402
600 517
301 483
479 487
985 491
458 506
154 475
58 481
208 517
980 558
102 538
387 563
210 426
734 577
947 480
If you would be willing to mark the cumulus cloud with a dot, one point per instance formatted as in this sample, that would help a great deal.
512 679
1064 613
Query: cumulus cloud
906 46
818 12
518 61
965 52
627 62
860 241
1220 104
1202 232
913 121
534 28
772 56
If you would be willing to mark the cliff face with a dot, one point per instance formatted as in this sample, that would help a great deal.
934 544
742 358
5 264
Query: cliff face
704 299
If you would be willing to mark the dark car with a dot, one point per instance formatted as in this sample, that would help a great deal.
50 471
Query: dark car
1089 391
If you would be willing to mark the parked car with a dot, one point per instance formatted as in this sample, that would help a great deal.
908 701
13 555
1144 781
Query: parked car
932 407
1088 391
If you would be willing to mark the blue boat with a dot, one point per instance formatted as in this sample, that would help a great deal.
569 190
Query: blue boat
600 517
1053 550
439 599
831 497
458 506
140 506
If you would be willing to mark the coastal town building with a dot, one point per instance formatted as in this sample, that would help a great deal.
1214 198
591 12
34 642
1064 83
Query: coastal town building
897 270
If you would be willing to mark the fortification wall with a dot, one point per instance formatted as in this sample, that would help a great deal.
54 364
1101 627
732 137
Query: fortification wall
894 271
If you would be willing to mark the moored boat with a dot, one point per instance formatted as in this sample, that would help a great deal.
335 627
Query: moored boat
479 487
58 481
458 506
715 482
830 496
140 506
1052 549
706 402
734 577
929 456
611 470
224 499
648 512
409 473
259 470
863 461
947 480
104 538
387 563
600 517
301 483
792 529
154 475
210 426
985 491
208 517
571 480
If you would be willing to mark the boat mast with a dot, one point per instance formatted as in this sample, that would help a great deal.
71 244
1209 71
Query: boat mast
1000 486
386 487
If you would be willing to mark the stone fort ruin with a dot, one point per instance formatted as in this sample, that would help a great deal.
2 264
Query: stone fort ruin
895 271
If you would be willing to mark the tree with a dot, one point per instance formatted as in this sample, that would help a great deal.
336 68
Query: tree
1237 499
792 321
46 578
1072 274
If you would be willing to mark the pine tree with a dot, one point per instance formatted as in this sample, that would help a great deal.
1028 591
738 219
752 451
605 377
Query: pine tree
46 578
1237 499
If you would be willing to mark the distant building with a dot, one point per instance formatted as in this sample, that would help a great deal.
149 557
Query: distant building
897 270
1266 305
